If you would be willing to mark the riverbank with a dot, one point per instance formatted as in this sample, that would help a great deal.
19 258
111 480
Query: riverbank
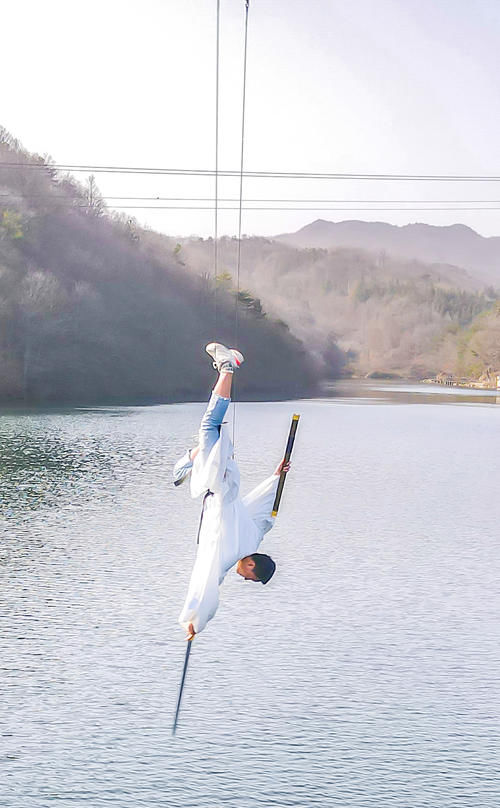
488 381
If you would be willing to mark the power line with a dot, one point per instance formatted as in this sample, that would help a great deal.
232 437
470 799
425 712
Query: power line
287 200
316 209
240 200
309 201
352 210
255 174
216 183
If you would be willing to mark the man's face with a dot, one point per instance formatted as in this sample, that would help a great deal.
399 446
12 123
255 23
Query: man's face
246 568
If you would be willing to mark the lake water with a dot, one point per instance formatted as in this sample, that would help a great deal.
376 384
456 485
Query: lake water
365 674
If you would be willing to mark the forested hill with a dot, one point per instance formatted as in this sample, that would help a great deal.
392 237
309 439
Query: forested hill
365 312
93 309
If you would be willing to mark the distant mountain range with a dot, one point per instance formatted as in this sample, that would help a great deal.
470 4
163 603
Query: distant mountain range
456 244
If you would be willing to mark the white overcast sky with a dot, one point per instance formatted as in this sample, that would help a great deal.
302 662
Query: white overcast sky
375 86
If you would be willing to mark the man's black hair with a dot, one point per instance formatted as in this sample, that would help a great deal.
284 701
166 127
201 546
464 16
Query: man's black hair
264 567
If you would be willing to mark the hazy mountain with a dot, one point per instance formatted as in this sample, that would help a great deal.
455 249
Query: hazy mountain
457 244
95 309
357 310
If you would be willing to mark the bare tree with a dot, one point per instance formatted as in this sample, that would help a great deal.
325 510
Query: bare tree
95 201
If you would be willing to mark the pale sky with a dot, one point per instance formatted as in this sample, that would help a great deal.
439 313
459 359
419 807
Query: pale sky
365 86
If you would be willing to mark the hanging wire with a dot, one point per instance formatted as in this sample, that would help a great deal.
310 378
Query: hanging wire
68 197
86 169
242 155
72 201
216 200
210 208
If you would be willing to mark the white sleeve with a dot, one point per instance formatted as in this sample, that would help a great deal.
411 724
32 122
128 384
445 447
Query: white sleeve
182 468
259 504
202 598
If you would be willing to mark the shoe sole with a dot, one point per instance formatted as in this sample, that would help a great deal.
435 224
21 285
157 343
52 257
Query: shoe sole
236 357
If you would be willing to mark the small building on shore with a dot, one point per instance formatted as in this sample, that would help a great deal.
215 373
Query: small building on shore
489 380
447 378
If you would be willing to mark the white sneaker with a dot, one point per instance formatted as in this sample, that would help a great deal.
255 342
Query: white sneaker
225 359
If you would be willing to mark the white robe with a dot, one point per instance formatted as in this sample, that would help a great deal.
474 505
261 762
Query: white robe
231 527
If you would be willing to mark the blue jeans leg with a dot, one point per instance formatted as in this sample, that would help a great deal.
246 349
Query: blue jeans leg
210 423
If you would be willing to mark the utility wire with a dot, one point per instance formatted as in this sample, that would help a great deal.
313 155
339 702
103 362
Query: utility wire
247 200
242 156
308 201
198 207
257 174
216 188
318 210
411 205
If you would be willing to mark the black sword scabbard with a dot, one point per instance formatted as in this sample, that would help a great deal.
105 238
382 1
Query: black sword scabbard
184 671
288 454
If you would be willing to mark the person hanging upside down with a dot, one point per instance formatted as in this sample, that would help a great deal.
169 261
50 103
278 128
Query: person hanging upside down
231 528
